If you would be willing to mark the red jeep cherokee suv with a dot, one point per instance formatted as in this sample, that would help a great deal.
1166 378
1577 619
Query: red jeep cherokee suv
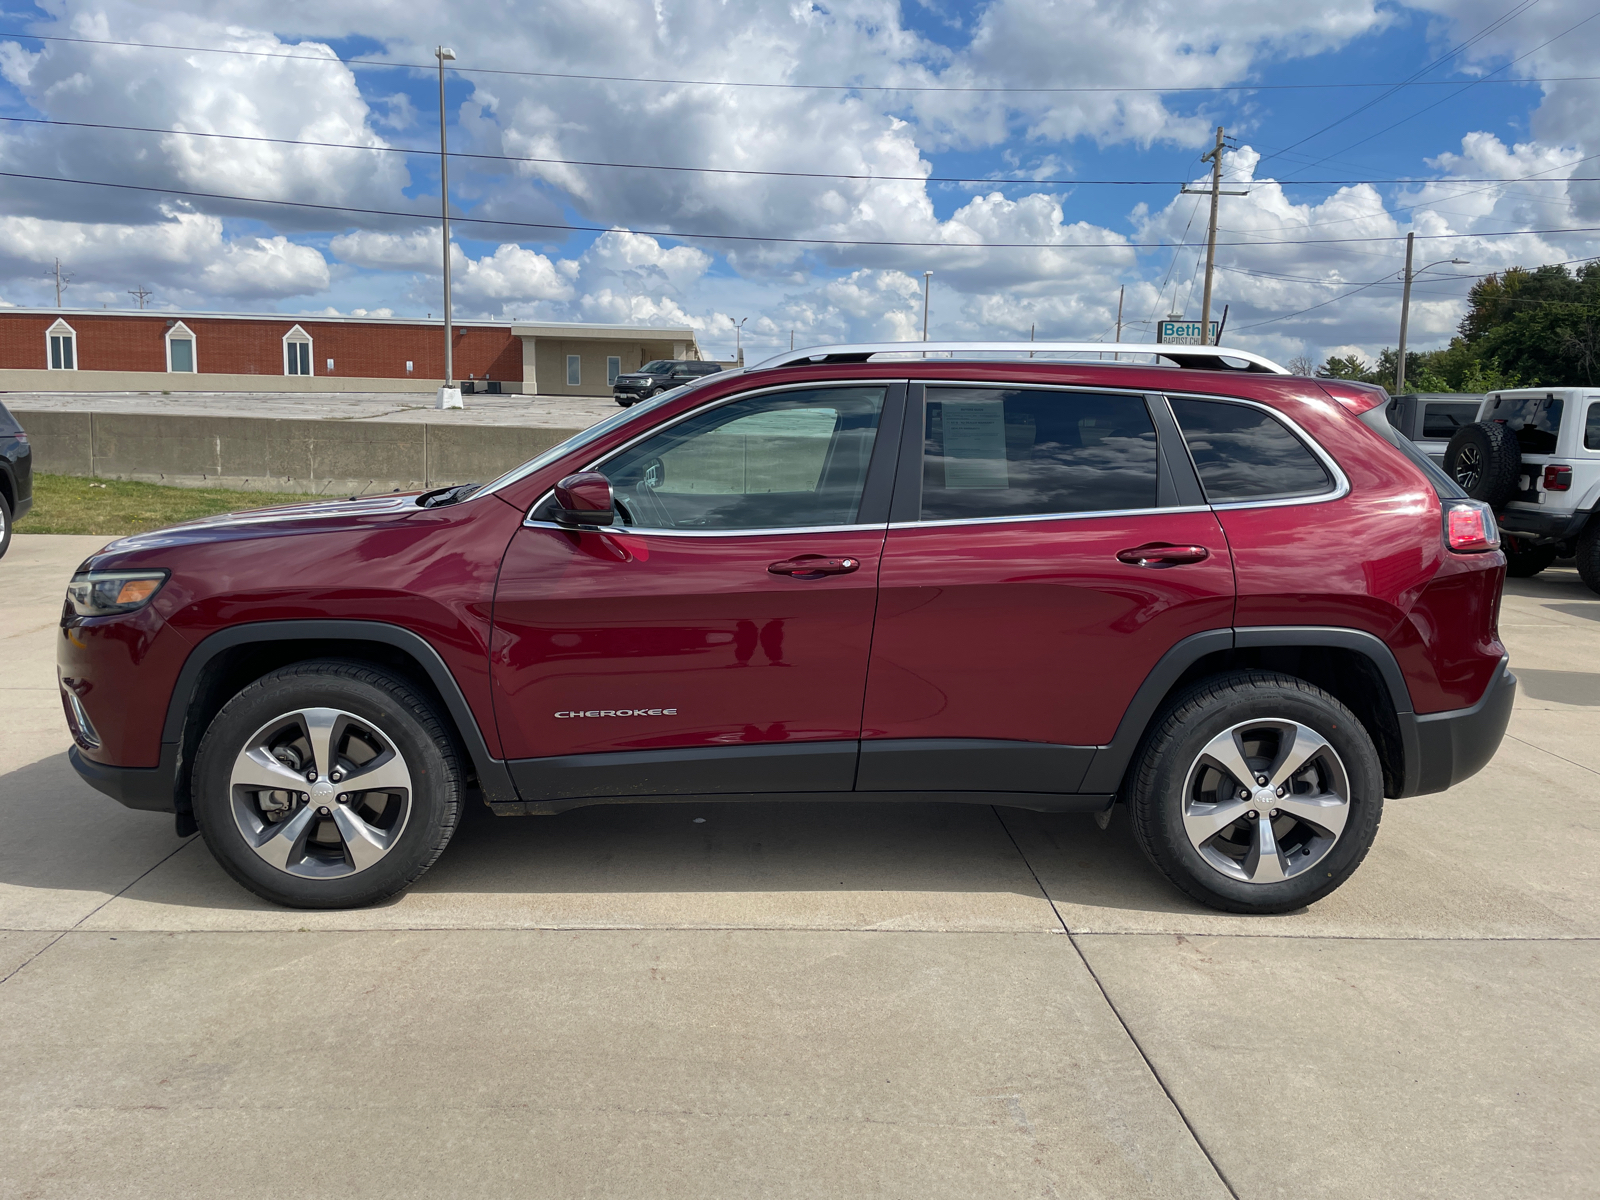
1232 599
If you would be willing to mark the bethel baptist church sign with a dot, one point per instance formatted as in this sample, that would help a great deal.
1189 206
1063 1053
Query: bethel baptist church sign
1185 333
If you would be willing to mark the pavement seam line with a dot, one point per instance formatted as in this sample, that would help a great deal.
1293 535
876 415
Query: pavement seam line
1552 753
1194 1134
71 928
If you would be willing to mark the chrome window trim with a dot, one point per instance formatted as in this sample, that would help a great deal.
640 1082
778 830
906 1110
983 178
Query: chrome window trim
1059 516
1341 482
529 523
637 531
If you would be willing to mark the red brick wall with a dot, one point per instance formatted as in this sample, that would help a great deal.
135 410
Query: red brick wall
255 347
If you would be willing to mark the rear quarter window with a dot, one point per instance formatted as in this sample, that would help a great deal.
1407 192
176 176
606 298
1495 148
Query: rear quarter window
1440 420
1243 453
1591 429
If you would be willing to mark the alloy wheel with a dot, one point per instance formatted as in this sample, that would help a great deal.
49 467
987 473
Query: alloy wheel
1469 466
1266 800
320 793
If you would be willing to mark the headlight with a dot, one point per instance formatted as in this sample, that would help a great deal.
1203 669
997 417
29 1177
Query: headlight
102 593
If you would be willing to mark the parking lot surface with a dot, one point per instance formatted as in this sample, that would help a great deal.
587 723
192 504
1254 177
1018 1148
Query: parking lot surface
808 1000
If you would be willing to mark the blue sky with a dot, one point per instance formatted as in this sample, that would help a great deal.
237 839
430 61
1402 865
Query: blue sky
1081 242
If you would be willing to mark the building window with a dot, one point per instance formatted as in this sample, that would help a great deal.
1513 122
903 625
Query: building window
613 369
297 352
62 347
409 367
330 366
180 349
574 370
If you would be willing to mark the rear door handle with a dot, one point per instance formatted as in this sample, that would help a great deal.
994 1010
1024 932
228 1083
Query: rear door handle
814 566
1162 554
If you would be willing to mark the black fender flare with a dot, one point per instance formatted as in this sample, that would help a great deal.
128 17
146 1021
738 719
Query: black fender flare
1111 761
493 777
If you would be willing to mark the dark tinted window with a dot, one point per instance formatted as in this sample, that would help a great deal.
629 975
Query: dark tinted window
1440 420
656 366
1244 454
1000 452
1536 421
1591 429
767 462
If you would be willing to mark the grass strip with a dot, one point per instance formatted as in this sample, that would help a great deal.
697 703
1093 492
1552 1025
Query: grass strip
73 504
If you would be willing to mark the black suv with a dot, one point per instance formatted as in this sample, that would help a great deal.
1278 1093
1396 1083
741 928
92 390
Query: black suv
16 475
656 377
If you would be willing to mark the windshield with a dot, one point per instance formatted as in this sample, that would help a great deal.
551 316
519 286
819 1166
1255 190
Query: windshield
584 437
659 366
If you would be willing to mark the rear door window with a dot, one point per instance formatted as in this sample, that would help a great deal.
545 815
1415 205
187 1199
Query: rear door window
1011 452
1441 419
1536 420
1244 453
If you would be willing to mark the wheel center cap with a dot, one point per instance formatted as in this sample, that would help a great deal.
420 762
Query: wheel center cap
322 792
1265 797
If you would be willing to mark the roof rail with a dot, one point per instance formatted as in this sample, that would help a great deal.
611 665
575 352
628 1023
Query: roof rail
1203 358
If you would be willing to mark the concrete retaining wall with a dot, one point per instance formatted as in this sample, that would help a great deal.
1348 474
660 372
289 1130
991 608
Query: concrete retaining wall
19 380
277 455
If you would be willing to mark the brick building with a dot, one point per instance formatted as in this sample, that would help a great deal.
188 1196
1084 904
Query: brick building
56 349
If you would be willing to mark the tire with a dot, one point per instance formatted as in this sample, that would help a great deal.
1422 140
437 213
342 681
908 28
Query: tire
1485 459
1524 561
5 524
1220 862
363 851
1587 554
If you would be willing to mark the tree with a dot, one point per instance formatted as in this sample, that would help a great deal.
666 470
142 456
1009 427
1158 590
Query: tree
1302 364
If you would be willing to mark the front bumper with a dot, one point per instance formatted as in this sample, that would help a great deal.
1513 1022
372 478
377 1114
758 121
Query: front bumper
1445 748
151 789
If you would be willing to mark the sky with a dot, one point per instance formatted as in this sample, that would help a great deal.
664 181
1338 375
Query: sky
798 166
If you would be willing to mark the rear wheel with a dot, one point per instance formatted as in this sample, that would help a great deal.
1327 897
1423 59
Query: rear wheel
5 524
1587 554
1257 793
1524 561
327 785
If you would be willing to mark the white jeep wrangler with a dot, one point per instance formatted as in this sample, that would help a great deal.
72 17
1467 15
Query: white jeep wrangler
1533 455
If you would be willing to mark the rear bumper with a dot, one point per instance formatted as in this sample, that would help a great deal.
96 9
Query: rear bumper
1445 748
148 788
1541 526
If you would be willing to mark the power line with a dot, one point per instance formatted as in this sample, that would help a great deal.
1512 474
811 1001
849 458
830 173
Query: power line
824 87
750 237
1515 11
578 162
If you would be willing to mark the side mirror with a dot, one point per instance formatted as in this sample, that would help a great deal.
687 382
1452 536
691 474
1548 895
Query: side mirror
584 499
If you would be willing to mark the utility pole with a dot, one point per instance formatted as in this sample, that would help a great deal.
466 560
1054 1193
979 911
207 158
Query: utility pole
1405 309
61 283
1121 293
142 292
449 394
1215 159
927 283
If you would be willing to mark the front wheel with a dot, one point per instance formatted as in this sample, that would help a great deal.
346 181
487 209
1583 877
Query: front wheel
327 785
5 525
1257 793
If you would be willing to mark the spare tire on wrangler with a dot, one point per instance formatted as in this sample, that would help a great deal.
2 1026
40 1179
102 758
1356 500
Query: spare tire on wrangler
1485 459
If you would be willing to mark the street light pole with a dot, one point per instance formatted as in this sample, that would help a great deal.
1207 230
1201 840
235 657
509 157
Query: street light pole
1405 309
738 339
449 394
927 284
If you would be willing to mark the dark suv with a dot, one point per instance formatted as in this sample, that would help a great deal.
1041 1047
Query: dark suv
659 376
1236 601
16 475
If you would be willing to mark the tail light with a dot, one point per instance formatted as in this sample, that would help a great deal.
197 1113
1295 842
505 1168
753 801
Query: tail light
1469 527
1558 479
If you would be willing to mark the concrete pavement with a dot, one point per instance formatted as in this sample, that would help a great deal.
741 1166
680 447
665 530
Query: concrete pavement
808 1000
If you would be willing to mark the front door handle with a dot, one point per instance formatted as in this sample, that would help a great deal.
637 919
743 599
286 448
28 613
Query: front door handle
1162 554
814 566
